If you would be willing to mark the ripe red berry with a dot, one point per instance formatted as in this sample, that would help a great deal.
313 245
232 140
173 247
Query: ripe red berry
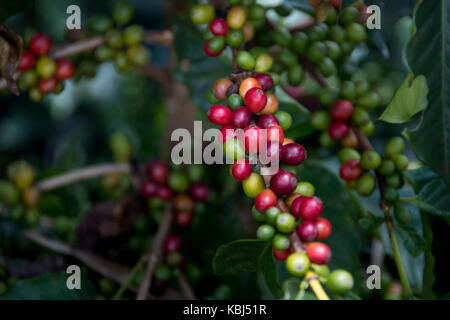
336 3
65 69
219 114
221 87
266 120
218 27
341 110
293 154
265 199
199 191
172 243
323 228
183 219
307 231
281 255
158 171
252 138
241 169
227 132
40 44
310 208
338 130
150 189
165 193
27 61
275 133
318 253
264 80
209 52
241 117
295 206
283 182
47 85
351 170
255 99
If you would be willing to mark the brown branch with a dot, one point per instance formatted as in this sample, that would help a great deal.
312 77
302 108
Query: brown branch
156 73
82 174
186 288
154 255
313 71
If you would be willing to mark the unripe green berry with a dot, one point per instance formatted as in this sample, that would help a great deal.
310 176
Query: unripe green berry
305 189
395 145
297 264
27 79
348 90
402 214
327 67
202 14
328 96
320 120
391 195
281 242
45 67
235 101
100 24
285 223
287 57
264 62
120 146
349 15
295 74
104 53
361 86
282 37
337 33
316 51
9 195
133 35
235 38
401 161
265 232
325 140
123 12
258 216
234 150
347 154
386 168
253 185
368 129
360 116
369 100
121 62
356 32
366 184
245 60
299 42
35 94
178 181
271 215
217 44
211 97
334 50
284 119
340 282
395 180
138 55
370 160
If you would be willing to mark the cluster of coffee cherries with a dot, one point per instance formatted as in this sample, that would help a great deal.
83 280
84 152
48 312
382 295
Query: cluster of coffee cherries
40 74
123 46
18 195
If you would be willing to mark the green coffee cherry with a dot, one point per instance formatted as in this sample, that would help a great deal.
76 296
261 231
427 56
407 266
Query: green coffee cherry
305 189
287 57
265 232
16 213
45 67
368 100
368 129
370 160
35 94
349 15
347 154
386 168
202 14
27 79
133 35
340 282
123 12
299 42
32 217
233 149
245 60
366 184
360 116
347 47
332 16
100 24
217 44
178 181
196 172
121 62
361 86
325 140
295 74
138 55
401 161
391 195
264 62
395 145
284 119
211 97
356 32
256 12
316 51
253 185
282 37
297 264
337 33
328 96
271 215
318 32
395 180
9 195
285 222
281 242
348 90
104 53
334 50
327 67
234 38
106 286
258 216
235 101
120 146
402 214
320 120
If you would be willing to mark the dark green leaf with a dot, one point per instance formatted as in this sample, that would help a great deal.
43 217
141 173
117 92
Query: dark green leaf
428 271
412 239
8 8
429 55
266 265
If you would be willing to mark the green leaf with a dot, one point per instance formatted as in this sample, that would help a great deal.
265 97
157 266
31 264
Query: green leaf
429 55
51 286
266 265
412 239
410 99
8 8
238 257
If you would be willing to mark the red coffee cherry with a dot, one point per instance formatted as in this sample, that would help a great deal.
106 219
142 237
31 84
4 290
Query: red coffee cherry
255 99
323 228
341 110
275 133
219 114
165 193
281 255
27 61
227 132
65 69
157 171
295 206
40 44
318 253
47 85
220 88
266 120
307 231
336 4
350 170
150 189
252 138
183 219
241 117
265 199
209 52
172 243
265 80
338 130
283 182
293 154
218 27
310 208
241 169
199 191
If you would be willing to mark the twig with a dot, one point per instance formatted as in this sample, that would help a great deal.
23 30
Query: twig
82 174
186 288
312 70
154 255
156 73
131 276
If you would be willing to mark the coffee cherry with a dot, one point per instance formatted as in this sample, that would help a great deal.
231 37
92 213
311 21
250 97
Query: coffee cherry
348 90
149 189
258 216
284 119
394 181
293 154
391 195
241 117
368 129
361 86
307 231
287 141
370 160
402 214
318 253
386 168
341 110
350 170
219 114
285 223
320 120
236 17
253 138
32 217
266 120
275 133
349 15
299 42
295 205
325 140
183 219
340 282
241 169
265 199
158 171
245 60
356 32
395 145
199 191
366 184
265 232
338 130
264 80
310 208
45 67
316 51
226 132
253 185
271 215
327 67
323 228
35 94
334 50
281 37
305 189
360 116
123 12
218 27
221 87
165 193
281 242
40 44
350 140
172 243
401 161
209 52
235 38
328 96
235 101
65 69
283 183
318 32
27 79
248 84
9 195
369 100
138 55
122 63
336 4
295 74
287 59
263 62
178 181
196 172
337 34
271 105
297 264
281 255
202 13
47 85
133 35
27 61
